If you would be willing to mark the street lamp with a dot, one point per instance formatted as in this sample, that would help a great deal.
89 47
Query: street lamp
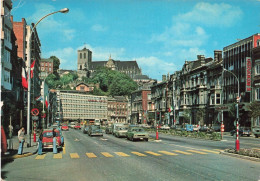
238 98
64 10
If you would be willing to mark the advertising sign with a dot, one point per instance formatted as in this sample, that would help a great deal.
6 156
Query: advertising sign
248 74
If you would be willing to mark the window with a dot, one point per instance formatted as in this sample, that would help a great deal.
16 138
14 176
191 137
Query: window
217 98
84 55
49 69
80 55
257 94
257 69
212 100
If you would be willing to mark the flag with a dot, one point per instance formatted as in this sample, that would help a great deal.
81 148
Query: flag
46 102
32 68
39 98
24 80
170 109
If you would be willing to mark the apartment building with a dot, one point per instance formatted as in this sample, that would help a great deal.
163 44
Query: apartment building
117 109
46 67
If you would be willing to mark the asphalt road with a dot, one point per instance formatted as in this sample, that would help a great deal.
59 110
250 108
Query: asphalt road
115 159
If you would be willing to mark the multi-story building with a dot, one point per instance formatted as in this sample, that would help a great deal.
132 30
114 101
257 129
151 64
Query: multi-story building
46 66
86 67
117 109
75 105
237 61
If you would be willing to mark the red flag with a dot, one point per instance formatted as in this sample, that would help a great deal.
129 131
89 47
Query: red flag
24 80
32 68
46 103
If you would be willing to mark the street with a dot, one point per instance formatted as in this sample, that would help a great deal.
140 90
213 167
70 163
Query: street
111 158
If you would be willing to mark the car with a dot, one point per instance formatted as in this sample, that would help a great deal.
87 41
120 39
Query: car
121 131
64 127
189 127
47 139
196 127
95 130
178 128
114 127
85 129
108 130
72 124
165 127
77 126
242 131
137 133
204 129
145 126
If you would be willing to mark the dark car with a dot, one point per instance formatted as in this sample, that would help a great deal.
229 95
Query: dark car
95 130
242 131
85 129
108 130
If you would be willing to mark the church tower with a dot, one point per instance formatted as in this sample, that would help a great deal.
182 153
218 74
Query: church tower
84 59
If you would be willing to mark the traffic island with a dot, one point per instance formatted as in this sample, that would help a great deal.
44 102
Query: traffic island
248 154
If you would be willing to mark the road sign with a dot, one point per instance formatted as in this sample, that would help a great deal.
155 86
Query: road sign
44 115
35 118
35 112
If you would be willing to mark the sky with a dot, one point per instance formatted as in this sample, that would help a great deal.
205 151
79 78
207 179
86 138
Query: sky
159 34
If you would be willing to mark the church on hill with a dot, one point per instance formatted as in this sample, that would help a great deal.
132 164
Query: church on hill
86 67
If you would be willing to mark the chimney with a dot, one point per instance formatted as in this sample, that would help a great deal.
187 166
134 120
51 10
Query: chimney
217 55
201 58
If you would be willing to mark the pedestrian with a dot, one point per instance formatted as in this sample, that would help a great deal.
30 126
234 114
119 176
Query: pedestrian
21 139
40 142
54 141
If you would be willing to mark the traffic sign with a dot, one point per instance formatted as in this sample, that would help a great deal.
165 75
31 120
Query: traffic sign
44 115
35 112
35 118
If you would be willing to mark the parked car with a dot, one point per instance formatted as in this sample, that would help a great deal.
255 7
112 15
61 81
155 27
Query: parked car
77 126
121 131
145 125
108 130
47 140
204 129
242 131
196 127
216 127
85 129
114 127
72 124
165 127
64 127
95 130
137 133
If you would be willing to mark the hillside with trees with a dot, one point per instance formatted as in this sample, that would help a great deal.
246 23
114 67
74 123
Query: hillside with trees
111 83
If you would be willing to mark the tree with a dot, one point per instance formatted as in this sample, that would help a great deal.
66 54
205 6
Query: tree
254 109
186 115
56 64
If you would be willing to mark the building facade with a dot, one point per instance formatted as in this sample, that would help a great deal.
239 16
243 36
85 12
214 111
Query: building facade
117 109
75 105
46 67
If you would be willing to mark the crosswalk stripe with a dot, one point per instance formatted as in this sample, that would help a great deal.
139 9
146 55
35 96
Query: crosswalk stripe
121 154
168 153
152 153
209 151
74 155
182 152
138 154
199 152
57 156
40 157
106 154
91 155
64 149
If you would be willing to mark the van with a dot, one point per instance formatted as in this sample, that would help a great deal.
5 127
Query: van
114 127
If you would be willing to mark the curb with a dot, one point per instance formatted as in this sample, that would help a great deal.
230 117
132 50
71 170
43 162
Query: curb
241 156
18 156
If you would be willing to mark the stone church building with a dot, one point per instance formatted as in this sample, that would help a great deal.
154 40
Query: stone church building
86 67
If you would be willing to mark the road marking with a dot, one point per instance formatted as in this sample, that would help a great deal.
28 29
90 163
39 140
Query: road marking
91 155
121 154
152 153
168 153
57 156
183 146
40 157
64 149
137 153
218 150
182 152
106 154
209 151
199 152
74 155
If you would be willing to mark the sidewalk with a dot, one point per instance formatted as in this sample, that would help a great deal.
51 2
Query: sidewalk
13 148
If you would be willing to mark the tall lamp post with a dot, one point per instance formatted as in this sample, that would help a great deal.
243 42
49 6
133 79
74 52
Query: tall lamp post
65 10
237 120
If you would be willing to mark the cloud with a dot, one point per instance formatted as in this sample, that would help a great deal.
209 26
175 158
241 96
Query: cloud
98 27
155 66
211 14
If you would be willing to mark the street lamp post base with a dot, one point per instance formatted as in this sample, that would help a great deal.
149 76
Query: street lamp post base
237 145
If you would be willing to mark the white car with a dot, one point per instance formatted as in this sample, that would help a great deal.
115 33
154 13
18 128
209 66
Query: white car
165 127
72 125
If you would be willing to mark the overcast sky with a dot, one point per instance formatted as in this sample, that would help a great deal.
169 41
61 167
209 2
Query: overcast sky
159 34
